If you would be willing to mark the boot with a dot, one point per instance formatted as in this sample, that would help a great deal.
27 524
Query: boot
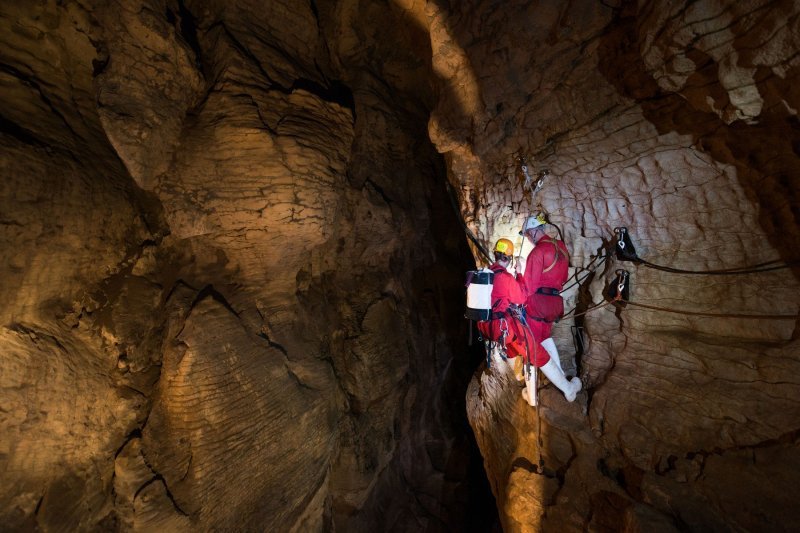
550 346
557 378
529 392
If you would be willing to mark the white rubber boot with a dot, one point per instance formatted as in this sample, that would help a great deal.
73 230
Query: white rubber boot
529 392
550 345
557 378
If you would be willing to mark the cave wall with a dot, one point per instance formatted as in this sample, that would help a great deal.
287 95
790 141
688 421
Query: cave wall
225 256
677 120
231 268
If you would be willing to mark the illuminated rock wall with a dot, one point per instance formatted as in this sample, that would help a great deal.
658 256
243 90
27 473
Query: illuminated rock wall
679 122
231 270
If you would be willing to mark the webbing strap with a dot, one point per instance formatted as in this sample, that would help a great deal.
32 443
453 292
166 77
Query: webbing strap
558 254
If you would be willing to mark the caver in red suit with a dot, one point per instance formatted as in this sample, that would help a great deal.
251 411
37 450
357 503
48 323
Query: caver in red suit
546 271
507 291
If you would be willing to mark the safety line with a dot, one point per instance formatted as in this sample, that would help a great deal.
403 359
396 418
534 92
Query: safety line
715 315
754 269
587 269
683 312
469 233
589 310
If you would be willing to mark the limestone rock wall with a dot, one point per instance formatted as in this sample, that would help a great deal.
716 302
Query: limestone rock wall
226 247
231 267
677 121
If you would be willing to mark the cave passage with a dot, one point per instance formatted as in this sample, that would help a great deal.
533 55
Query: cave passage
234 236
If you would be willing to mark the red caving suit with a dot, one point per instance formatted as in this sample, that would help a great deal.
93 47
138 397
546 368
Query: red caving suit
507 290
546 271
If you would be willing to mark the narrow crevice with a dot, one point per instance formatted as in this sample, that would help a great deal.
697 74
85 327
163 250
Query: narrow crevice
273 344
561 472
159 477
25 136
135 434
38 506
314 10
266 337
188 30
786 439
179 283
33 83
378 189
297 379
335 92
188 466
210 292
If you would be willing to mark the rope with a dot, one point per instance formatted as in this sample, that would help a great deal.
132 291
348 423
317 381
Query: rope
588 269
627 252
589 310
622 278
714 315
754 269
526 372
469 233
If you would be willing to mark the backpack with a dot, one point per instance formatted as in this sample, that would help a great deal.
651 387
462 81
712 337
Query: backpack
479 294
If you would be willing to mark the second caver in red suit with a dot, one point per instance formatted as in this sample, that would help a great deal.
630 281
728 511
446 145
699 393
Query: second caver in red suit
508 291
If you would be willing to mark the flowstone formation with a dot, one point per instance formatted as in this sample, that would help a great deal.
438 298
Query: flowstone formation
227 253
677 121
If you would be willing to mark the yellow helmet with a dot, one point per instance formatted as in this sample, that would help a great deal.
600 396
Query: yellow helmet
504 246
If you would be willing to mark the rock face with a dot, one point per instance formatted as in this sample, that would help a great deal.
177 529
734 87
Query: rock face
231 269
679 122
226 249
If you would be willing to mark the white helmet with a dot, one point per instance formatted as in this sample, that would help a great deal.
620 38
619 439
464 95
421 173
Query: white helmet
533 222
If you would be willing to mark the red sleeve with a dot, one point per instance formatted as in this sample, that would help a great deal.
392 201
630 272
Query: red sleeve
506 291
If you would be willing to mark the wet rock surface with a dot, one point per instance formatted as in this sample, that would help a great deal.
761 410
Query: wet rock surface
231 269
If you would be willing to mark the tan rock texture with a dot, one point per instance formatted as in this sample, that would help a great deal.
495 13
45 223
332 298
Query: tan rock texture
231 271
228 257
678 121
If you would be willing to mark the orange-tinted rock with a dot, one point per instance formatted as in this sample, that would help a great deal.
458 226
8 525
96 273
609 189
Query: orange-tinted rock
231 273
